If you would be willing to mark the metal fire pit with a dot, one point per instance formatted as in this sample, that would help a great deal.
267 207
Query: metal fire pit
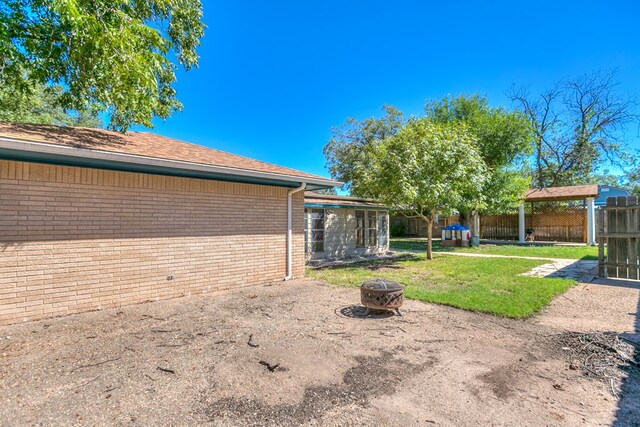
380 294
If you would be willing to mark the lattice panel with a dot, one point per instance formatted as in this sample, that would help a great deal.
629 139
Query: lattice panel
559 224
553 223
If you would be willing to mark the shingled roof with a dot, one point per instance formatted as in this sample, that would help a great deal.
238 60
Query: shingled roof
143 145
575 192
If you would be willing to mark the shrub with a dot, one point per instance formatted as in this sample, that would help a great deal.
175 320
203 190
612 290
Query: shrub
397 230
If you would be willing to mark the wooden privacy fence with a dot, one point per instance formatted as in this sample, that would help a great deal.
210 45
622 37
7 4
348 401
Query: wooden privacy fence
499 227
564 224
619 238
417 227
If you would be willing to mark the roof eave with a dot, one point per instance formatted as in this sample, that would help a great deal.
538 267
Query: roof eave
558 199
343 206
25 150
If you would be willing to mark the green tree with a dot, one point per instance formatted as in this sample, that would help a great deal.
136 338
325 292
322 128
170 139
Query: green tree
111 56
352 145
503 140
426 169
42 105
628 179
633 181
607 178
503 136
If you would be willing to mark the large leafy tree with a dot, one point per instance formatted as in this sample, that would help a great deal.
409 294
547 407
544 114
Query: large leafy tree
634 182
503 139
499 137
578 127
502 136
627 179
42 105
352 144
424 169
632 178
112 56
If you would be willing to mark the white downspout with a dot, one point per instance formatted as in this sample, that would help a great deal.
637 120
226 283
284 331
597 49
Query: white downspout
289 227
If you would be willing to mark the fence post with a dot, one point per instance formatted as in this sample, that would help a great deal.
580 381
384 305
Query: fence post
601 256
633 245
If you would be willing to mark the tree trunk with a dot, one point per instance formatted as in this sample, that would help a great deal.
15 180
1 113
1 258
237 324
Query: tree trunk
429 239
539 164
464 218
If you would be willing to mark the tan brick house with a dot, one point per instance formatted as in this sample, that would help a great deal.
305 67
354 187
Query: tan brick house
344 226
91 219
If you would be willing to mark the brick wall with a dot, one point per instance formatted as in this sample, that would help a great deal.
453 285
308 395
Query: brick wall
78 239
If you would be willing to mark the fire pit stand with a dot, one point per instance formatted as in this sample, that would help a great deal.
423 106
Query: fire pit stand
381 294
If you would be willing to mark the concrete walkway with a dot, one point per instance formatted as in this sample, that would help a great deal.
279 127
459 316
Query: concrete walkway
583 271
501 256
536 243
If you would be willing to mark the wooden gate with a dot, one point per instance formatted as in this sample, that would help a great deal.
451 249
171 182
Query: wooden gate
619 238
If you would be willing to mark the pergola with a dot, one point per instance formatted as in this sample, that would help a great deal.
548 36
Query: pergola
586 193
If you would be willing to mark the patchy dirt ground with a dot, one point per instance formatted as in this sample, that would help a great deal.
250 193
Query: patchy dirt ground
601 305
191 361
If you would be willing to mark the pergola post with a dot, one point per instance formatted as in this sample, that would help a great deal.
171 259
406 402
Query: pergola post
475 229
591 221
521 224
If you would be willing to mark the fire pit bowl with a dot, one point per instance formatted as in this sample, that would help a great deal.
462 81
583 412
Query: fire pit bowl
381 294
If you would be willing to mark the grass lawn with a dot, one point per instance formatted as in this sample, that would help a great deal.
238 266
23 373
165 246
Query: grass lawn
567 252
490 285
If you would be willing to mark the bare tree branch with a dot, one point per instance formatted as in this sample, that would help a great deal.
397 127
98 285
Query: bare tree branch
578 125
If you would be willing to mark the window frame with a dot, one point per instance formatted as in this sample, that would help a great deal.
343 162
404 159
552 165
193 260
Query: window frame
307 218
383 220
360 229
312 230
372 231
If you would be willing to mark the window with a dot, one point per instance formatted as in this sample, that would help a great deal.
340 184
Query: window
384 226
372 228
359 229
317 230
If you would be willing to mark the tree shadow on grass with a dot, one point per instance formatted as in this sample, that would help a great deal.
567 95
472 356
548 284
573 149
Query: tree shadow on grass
375 264
418 245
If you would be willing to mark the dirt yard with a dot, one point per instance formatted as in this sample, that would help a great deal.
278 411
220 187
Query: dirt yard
293 354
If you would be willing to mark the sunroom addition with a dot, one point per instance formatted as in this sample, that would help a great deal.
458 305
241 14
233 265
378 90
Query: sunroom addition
341 226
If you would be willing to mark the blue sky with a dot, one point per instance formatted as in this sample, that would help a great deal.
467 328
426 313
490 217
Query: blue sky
275 76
